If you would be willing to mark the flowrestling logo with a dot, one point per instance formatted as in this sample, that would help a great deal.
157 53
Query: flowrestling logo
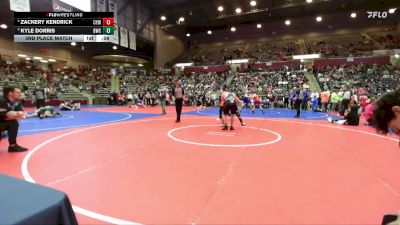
377 14
380 14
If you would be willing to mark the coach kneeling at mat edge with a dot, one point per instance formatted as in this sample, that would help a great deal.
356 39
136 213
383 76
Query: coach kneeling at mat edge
10 112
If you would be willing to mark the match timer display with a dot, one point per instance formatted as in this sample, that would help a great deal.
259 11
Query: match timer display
63 26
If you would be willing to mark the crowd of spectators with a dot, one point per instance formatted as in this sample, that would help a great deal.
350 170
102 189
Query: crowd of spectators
341 46
200 89
387 40
272 86
350 45
275 87
53 83
374 79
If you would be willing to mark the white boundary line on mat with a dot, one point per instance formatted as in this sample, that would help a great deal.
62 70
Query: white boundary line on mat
113 220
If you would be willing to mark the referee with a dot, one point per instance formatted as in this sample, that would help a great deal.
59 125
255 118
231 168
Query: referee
10 112
298 101
178 94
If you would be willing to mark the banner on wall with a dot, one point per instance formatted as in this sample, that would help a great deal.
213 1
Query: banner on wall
101 5
386 52
20 6
115 37
112 7
132 40
59 6
124 37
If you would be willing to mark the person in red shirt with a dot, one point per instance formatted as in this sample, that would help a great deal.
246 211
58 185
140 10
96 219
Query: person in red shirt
363 102
325 95
256 101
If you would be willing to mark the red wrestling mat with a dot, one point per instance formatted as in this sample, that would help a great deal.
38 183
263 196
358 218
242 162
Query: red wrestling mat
158 172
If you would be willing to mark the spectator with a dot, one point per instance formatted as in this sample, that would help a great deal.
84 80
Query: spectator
369 112
346 100
325 100
163 97
39 97
334 101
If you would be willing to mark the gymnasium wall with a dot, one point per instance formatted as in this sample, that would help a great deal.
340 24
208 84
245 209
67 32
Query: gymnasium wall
168 47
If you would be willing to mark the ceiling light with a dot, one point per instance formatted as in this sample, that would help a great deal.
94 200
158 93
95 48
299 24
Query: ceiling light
396 55
188 35
309 1
181 19
353 15
21 55
233 29
37 57
287 22
253 3
220 8
259 25
140 64
115 47
209 32
3 26
318 19
392 10
52 60
73 43
163 18
44 61
27 58
238 10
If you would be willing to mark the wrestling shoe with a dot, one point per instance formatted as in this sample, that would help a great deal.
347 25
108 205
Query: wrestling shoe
330 119
243 124
16 148
232 128
225 128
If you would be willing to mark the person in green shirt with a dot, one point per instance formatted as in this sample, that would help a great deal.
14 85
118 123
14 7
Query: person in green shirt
45 112
334 101
163 96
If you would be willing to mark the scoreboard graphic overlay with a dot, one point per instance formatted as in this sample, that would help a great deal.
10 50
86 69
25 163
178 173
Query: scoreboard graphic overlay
63 26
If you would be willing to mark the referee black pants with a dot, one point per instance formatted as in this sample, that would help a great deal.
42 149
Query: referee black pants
40 103
11 126
297 106
178 107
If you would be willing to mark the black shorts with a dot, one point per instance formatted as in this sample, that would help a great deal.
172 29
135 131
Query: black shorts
230 109
238 113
